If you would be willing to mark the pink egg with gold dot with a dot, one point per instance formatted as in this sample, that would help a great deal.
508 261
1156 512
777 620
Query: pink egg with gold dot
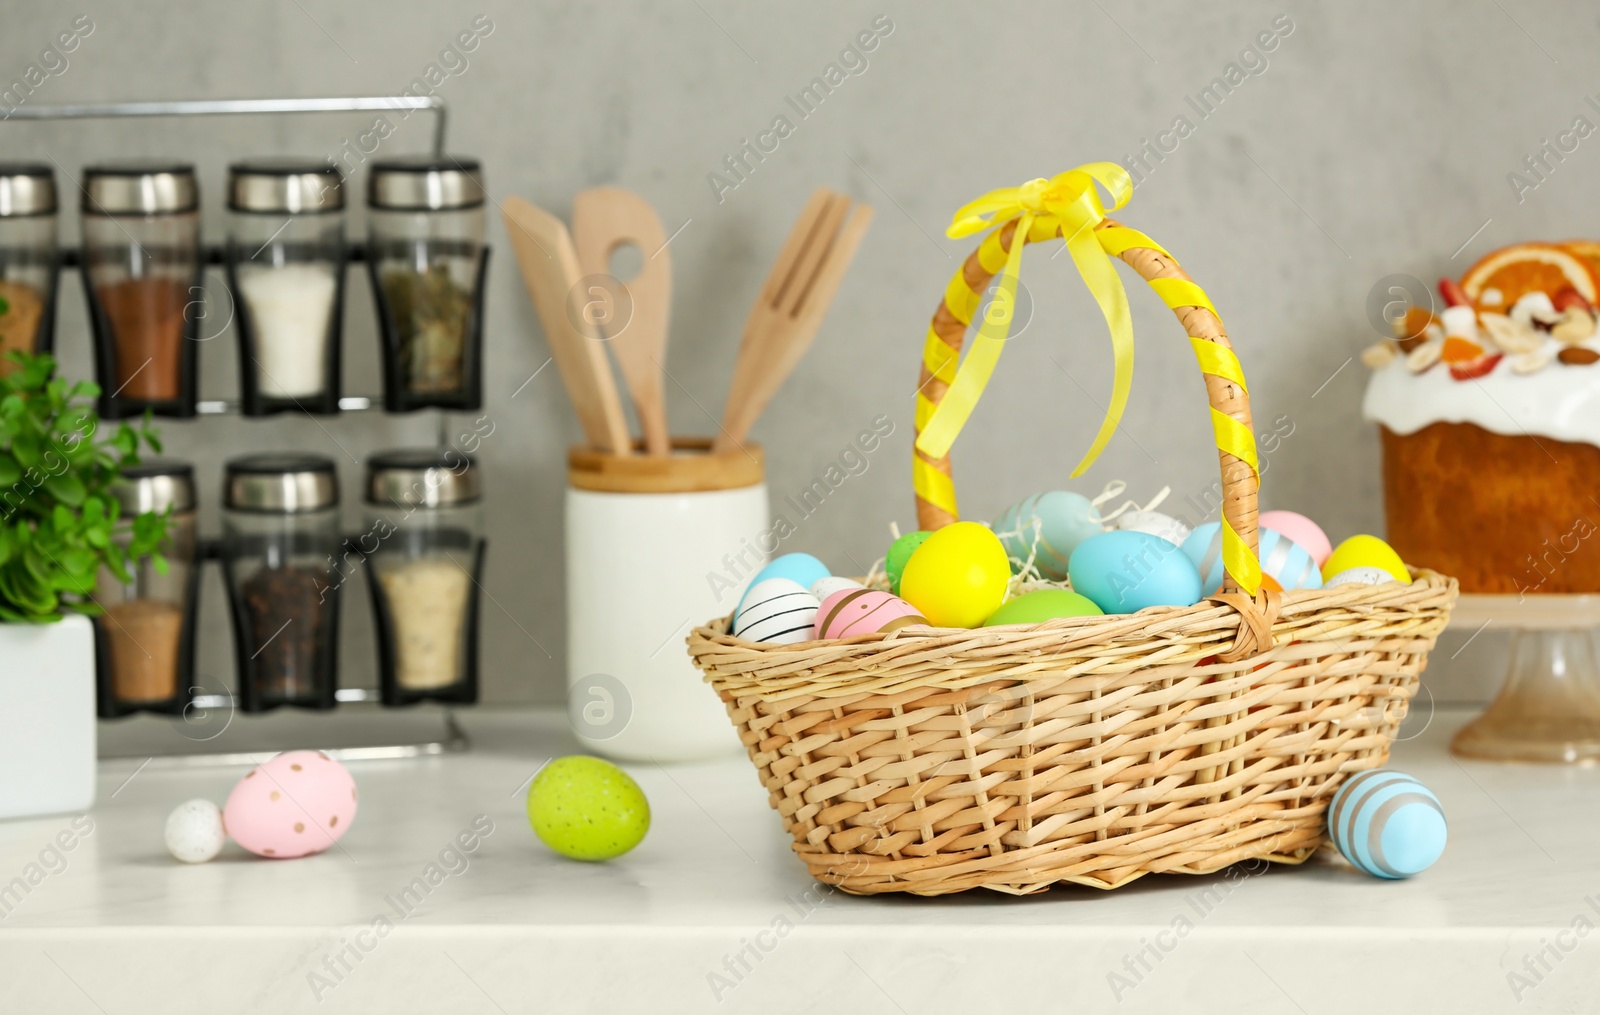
299 803
864 611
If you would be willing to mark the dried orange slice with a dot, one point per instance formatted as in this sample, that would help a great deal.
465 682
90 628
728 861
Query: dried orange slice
1588 250
1506 275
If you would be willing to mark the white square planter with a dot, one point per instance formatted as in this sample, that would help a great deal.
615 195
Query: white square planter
47 681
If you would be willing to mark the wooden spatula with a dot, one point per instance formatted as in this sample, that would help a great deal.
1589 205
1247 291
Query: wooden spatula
797 293
550 271
605 219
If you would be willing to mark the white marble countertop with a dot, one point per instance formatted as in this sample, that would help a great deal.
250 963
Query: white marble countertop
712 912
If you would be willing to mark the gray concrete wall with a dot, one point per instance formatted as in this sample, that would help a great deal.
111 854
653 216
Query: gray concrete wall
1374 138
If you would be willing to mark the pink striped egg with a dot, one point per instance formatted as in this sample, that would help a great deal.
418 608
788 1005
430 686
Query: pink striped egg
864 611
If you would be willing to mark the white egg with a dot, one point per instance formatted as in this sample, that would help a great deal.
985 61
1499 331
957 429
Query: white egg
777 610
826 586
1153 523
194 831
1359 576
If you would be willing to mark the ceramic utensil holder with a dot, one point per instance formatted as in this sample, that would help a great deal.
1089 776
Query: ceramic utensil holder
654 545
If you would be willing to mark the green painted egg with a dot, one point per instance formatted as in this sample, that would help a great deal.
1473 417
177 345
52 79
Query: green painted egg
1041 605
900 551
587 808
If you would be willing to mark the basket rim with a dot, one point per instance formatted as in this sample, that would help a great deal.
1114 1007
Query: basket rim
777 672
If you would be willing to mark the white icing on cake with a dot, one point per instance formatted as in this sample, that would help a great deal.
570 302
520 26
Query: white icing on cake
1560 402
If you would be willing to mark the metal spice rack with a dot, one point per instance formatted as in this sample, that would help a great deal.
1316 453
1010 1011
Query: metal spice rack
188 750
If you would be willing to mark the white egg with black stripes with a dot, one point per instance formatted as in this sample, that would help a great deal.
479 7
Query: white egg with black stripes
777 611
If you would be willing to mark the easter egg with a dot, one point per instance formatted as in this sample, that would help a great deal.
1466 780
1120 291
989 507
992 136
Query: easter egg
1387 824
778 611
1041 605
1366 551
1281 558
958 576
822 588
587 808
800 568
864 611
900 551
1155 523
194 832
296 804
1124 572
1305 532
1064 519
1359 576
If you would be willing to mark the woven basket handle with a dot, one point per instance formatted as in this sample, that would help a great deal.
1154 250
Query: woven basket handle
1230 399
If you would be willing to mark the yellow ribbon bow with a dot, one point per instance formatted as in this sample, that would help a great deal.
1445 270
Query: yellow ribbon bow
1071 203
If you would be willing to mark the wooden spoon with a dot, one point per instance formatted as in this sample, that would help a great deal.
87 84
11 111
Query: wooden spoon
550 271
796 296
605 219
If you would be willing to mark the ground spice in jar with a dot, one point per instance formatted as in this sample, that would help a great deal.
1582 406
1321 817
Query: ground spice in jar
144 637
19 325
427 602
430 313
146 316
291 309
284 607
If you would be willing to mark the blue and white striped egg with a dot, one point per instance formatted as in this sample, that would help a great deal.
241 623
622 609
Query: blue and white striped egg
778 611
1065 519
1281 557
1387 824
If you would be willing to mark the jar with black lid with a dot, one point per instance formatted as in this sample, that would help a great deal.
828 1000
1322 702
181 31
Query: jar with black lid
286 261
427 260
28 257
145 637
281 549
142 270
424 550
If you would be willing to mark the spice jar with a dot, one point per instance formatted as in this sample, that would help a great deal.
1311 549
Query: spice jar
27 259
427 261
279 547
286 258
142 269
424 553
146 635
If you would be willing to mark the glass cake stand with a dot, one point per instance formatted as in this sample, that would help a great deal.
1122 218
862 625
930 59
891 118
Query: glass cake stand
1548 710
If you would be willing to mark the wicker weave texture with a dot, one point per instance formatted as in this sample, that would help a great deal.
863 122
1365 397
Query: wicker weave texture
1091 750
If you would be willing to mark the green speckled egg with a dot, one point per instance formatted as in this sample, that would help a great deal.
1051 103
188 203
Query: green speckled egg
587 808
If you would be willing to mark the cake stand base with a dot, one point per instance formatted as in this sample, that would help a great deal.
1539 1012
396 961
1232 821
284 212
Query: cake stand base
1548 710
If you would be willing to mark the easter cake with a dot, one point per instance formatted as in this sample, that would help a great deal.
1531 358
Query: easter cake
1489 415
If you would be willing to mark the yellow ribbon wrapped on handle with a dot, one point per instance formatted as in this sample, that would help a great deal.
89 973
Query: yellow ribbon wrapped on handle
1072 202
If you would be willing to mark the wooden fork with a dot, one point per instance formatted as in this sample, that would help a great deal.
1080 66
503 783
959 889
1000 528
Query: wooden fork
795 297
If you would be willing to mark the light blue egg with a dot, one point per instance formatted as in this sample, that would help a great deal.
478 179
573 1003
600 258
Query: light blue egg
1287 561
1123 572
800 568
1387 824
1066 519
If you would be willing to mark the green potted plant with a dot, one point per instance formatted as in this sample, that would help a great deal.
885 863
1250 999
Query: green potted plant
62 535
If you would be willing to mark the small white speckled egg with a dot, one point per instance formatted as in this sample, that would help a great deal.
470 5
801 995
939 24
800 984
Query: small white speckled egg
822 588
194 831
1359 576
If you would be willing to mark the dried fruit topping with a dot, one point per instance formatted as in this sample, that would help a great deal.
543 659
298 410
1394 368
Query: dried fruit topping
1411 330
1577 356
1510 334
1379 354
1568 298
1525 268
1460 350
1475 368
1453 296
1423 356
1576 325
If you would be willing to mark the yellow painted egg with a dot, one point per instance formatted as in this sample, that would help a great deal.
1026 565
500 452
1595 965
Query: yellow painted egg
958 576
1365 551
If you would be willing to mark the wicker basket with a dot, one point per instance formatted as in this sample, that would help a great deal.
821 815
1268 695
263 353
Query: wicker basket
1093 750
